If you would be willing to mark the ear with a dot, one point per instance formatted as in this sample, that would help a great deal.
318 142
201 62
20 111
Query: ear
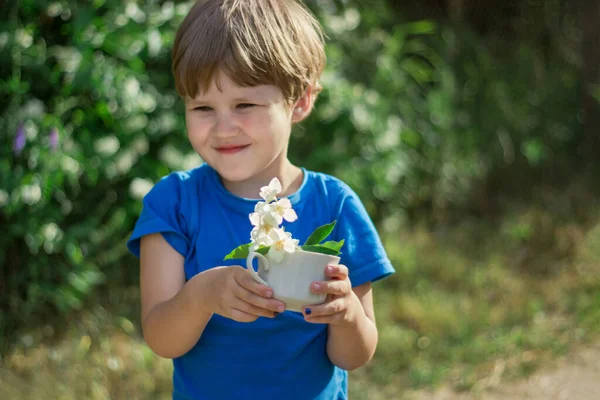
303 106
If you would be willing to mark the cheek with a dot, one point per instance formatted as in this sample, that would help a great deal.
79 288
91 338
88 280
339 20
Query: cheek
189 122
256 125
195 126
280 122
272 124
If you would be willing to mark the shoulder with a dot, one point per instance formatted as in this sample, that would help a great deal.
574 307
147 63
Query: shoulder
329 185
334 190
179 183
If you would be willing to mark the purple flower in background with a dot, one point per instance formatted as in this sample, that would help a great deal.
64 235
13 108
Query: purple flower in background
53 139
20 139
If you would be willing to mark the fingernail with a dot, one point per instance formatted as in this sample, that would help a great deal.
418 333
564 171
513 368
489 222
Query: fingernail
269 293
329 269
317 286
280 308
307 311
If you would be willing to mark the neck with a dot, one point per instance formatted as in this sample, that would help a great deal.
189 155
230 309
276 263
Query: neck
289 175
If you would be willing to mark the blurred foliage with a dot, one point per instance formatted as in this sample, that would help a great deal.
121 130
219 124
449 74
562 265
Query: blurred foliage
95 74
414 115
419 113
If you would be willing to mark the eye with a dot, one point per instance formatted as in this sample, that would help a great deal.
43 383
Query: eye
245 105
202 108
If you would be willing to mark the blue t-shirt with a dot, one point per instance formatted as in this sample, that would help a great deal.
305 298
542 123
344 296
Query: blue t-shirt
279 358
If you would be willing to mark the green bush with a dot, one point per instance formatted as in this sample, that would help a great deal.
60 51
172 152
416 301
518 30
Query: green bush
87 98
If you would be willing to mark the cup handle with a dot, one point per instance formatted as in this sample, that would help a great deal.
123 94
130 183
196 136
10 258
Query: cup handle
263 263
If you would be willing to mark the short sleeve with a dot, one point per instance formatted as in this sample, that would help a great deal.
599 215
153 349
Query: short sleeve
161 213
363 253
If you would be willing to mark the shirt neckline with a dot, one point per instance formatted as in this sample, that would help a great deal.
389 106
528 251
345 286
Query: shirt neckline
246 204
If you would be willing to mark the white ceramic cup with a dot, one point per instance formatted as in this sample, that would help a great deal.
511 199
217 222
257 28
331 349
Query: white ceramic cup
291 278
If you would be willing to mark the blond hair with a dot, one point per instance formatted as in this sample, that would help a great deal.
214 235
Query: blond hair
255 42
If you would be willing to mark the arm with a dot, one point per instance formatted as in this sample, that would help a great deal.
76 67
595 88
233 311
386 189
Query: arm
349 312
350 317
175 312
357 332
173 317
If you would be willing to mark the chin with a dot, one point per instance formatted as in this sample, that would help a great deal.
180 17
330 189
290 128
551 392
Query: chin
237 175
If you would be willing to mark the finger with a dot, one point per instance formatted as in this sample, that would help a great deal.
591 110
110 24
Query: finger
331 287
330 308
324 319
257 305
337 271
327 313
245 280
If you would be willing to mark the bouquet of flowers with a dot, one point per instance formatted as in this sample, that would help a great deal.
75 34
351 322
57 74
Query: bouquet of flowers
271 240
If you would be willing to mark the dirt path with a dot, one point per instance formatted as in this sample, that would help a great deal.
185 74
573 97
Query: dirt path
575 376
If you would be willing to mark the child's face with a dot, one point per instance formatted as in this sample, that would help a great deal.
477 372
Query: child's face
242 132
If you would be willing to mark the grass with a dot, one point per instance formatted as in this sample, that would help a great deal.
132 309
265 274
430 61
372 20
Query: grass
470 305
100 362
483 301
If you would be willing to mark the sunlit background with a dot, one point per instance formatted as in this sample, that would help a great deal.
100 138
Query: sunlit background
470 129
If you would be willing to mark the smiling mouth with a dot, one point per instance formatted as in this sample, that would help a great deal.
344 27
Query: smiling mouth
231 149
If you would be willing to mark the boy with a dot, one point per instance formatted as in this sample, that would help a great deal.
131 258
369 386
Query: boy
248 70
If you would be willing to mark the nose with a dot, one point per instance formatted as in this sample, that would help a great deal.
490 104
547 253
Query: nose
225 126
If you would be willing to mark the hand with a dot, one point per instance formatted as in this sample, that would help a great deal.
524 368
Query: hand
341 301
235 294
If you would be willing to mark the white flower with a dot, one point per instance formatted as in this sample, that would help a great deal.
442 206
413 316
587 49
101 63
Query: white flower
259 236
266 214
261 207
267 217
263 241
271 218
273 214
262 210
283 208
282 244
255 219
270 192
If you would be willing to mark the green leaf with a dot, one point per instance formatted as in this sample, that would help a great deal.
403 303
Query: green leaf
263 250
319 248
333 245
239 252
243 251
320 234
